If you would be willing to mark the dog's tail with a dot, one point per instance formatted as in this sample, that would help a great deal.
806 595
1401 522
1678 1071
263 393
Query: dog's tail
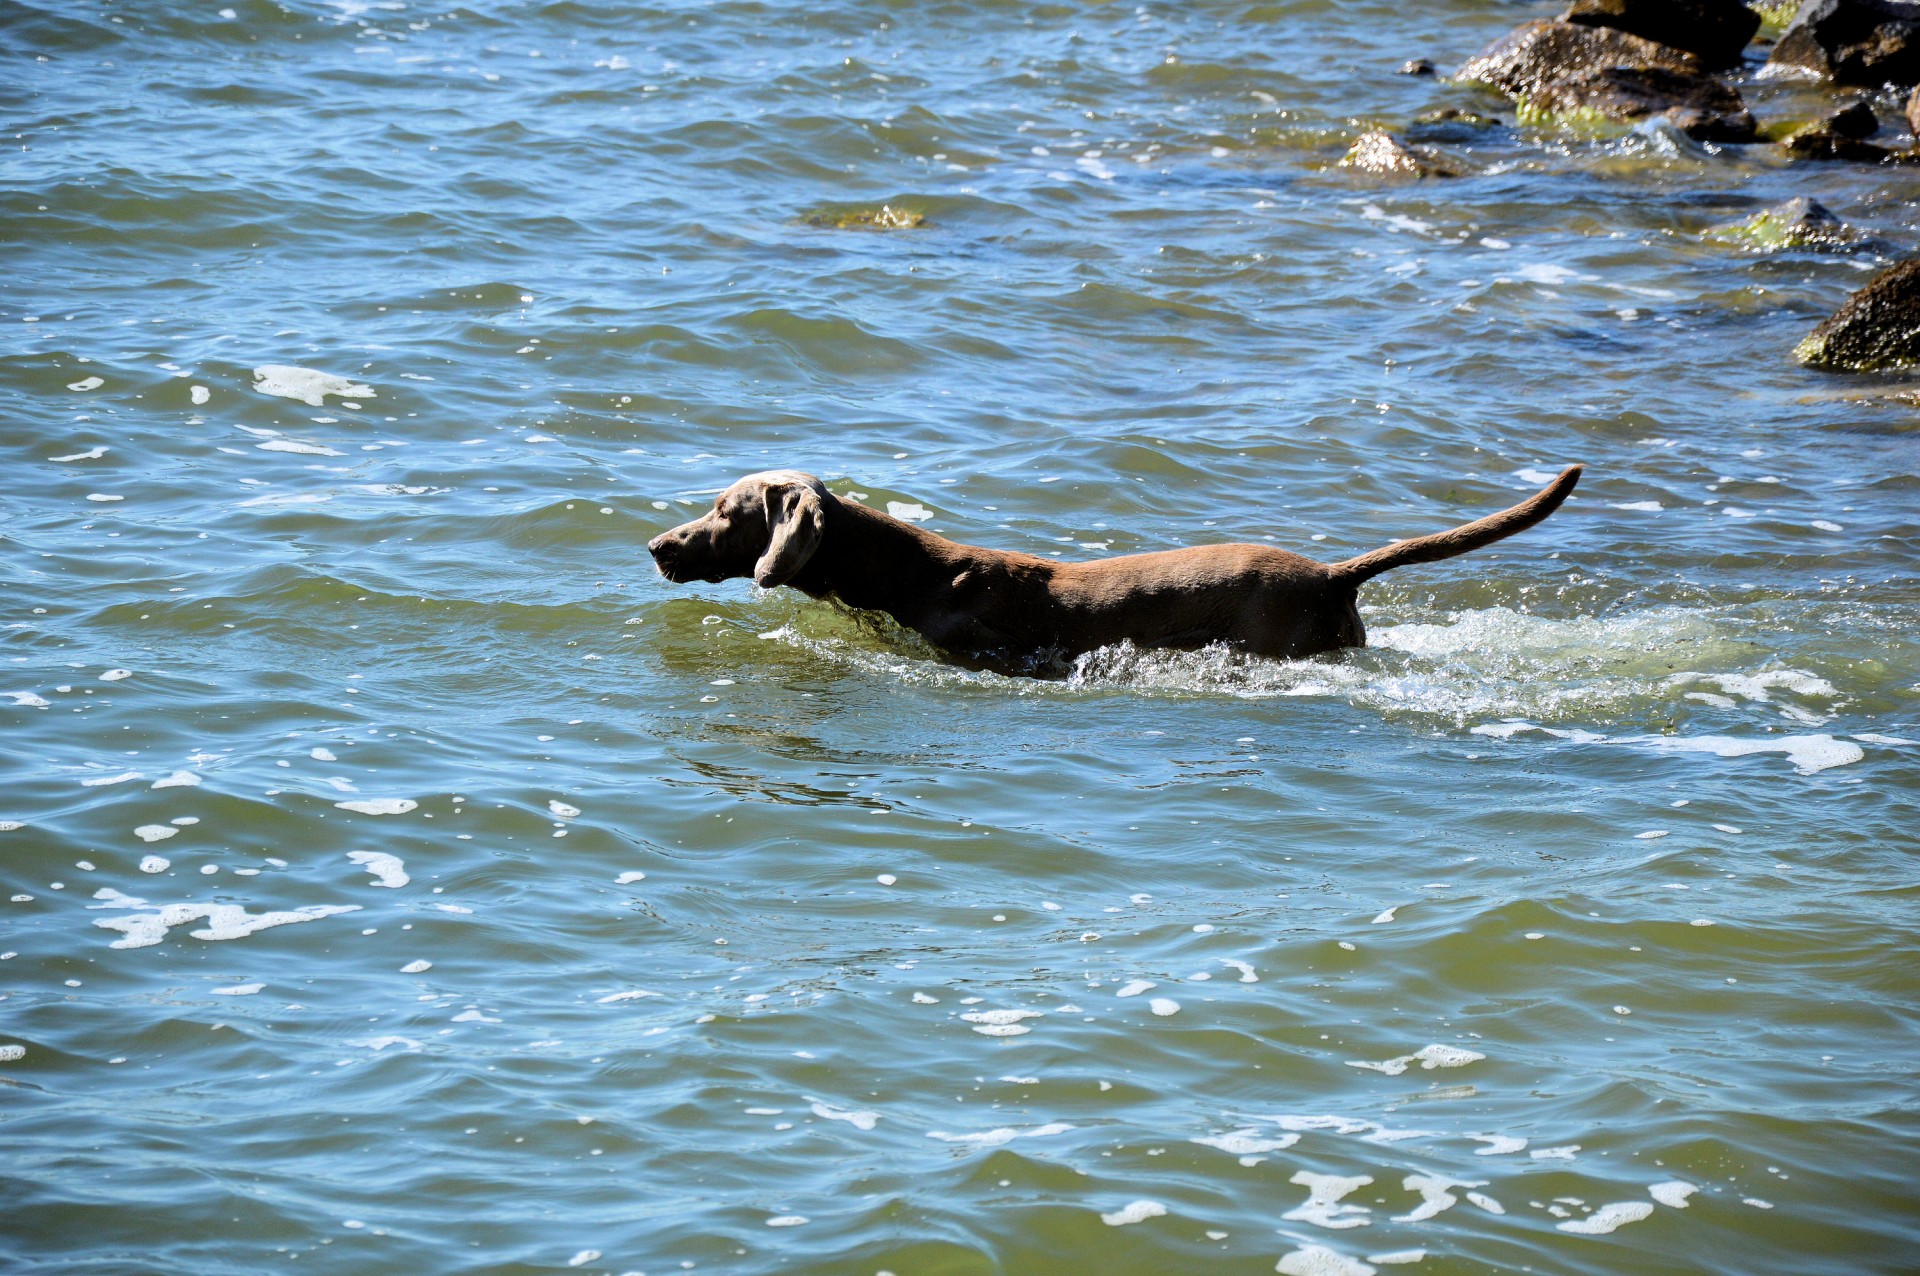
1469 536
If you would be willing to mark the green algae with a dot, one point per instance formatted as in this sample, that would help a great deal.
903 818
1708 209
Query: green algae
885 217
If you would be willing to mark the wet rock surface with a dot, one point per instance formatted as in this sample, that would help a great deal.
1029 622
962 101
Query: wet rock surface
1852 42
1798 223
1381 153
1578 72
1877 328
1715 31
1913 114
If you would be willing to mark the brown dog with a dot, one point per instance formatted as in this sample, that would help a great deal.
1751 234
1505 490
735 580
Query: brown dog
1015 613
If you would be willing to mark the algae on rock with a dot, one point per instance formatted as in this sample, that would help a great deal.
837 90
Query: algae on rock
1877 329
1798 223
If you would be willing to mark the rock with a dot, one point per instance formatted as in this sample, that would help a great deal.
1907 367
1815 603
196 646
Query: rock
1798 223
1417 66
1913 114
1382 153
885 217
1451 125
1879 327
1857 120
1715 31
1569 71
1825 144
1530 57
1700 106
1852 42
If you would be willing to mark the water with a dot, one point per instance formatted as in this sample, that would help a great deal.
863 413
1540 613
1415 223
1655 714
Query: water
631 928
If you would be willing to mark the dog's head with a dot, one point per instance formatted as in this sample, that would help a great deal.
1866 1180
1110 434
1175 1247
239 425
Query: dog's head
765 526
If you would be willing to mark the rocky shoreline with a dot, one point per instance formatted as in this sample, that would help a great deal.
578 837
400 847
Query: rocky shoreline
1618 64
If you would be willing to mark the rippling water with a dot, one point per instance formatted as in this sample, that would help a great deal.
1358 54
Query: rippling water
404 878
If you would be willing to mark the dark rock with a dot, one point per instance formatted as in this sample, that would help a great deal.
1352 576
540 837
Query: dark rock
1857 120
1417 66
1879 327
1825 144
1385 155
1853 41
1700 106
1798 223
1530 57
1715 31
1573 72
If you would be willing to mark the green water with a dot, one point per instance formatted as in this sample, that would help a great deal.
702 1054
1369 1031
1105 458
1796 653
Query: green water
1568 928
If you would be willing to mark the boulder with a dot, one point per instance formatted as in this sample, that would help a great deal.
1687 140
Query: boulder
1570 70
1700 106
1381 153
1857 120
1913 114
1878 327
1869 42
1416 66
1530 57
1827 143
1799 223
1715 31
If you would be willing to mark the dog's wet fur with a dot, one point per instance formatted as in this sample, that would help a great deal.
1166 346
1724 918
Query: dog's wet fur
1019 614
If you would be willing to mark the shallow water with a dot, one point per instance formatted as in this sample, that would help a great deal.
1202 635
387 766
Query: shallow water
403 877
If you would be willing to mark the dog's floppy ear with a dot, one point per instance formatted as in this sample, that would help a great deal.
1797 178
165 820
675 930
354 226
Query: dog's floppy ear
795 525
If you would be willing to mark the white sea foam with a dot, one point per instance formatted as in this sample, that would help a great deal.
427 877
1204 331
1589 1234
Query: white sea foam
91 454
1808 753
911 513
1324 1194
632 994
1001 1017
1247 975
1246 1142
1428 1057
1607 1218
858 1120
1673 1194
1134 1212
1498 1144
420 966
379 806
28 700
629 877
388 870
1164 1006
306 384
1133 988
562 809
1318 1260
155 864
298 448
145 928
121 778
87 383
787 1220
154 832
238 990
1436 1195
178 780
1001 1136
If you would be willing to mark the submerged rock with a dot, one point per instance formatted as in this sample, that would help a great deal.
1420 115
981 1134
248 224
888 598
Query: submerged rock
1417 66
1576 73
1382 153
1824 143
1878 328
1857 120
1452 125
1798 223
885 217
1852 42
1715 31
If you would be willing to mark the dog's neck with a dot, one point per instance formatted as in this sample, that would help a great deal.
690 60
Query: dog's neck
873 560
